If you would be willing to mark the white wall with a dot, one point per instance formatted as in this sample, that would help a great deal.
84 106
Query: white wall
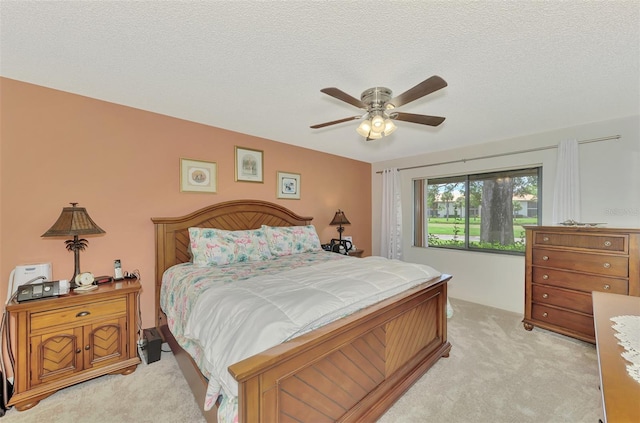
610 193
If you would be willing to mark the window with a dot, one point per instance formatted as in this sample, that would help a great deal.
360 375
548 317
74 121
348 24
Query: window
484 212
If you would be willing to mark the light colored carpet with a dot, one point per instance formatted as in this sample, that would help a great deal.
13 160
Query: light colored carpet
497 372
153 393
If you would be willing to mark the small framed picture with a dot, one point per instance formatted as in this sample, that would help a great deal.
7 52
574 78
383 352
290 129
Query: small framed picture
198 176
288 185
249 164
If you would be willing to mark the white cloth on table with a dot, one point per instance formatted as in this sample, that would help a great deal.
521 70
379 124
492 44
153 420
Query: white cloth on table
628 334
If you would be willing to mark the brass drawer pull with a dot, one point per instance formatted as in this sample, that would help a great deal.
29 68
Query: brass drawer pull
78 351
545 258
545 314
545 277
86 347
83 313
545 239
545 295
607 243
607 286
606 265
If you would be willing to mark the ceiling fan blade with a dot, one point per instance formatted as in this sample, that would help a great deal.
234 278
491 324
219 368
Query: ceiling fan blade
341 95
425 87
421 119
333 122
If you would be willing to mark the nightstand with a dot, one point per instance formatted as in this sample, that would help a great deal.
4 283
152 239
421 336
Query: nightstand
73 338
356 253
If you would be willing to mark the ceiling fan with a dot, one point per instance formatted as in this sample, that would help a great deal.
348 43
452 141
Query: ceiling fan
380 108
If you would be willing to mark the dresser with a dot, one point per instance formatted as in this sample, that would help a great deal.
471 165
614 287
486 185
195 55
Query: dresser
564 265
76 337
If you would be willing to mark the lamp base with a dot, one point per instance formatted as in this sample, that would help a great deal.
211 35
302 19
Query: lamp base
340 231
76 245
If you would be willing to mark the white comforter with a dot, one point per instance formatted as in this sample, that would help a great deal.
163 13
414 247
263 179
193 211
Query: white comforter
246 317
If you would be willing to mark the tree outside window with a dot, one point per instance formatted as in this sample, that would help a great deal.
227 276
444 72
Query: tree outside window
489 218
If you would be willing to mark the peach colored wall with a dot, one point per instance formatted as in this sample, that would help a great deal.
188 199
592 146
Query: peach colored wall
122 164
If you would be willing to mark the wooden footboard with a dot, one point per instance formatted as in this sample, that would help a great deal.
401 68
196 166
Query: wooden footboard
351 370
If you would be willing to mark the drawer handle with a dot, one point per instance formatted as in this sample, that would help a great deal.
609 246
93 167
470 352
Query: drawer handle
86 347
545 295
78 351
545 258
607 286
83 313
545 314
545 239
545 277
606 265
607 243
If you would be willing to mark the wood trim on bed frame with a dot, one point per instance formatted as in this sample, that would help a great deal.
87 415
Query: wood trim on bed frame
350 370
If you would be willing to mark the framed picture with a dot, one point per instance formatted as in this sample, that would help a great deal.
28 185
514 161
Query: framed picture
288 185
249 164
198 176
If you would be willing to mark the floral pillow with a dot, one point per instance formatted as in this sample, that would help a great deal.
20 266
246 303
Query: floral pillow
287 240
217 247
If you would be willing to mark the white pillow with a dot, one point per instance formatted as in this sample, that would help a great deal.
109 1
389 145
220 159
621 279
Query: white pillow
287 240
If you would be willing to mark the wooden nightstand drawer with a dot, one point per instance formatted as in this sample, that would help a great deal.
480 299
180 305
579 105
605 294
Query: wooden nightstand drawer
608 265
579 282
572 300
573 321
591 242
78 314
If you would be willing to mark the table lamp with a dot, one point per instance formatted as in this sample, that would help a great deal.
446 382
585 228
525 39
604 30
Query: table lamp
340 219
74 221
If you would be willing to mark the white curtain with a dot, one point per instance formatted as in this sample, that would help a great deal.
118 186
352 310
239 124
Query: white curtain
566 195
391 220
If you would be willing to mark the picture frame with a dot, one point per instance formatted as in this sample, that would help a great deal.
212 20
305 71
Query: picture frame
198 176
288 185
249 165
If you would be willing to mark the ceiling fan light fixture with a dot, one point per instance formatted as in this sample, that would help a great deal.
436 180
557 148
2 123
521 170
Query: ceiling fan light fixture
374 136
364 128
389 127
377 124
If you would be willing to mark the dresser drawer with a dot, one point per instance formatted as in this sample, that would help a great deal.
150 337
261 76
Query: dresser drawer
579 281
77 314
592 263
573 321
600 242
573 300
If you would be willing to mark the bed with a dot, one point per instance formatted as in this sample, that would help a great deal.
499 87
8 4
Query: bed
381 350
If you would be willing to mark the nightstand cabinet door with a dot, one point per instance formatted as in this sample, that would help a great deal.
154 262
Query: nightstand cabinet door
105 342
56 355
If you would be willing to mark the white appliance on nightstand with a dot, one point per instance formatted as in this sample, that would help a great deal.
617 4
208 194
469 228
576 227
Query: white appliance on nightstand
25 273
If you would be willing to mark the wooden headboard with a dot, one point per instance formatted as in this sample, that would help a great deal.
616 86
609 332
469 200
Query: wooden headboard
172 234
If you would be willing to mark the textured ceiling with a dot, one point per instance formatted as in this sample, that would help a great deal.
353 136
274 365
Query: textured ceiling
257 67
